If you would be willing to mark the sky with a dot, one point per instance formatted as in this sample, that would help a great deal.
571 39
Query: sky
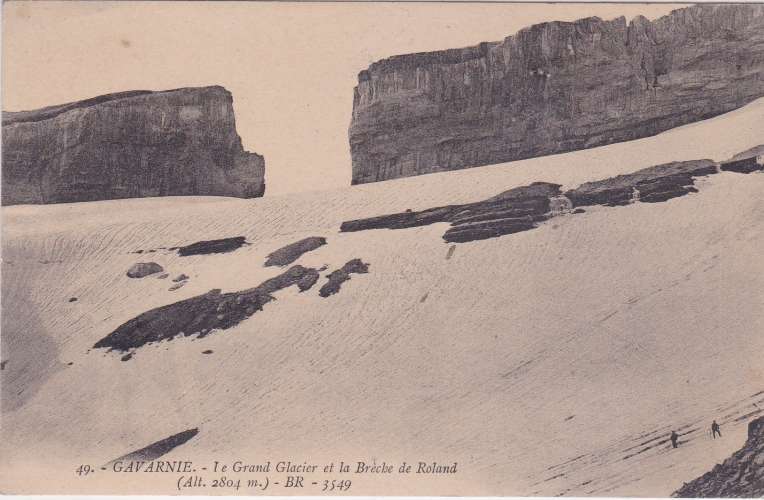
290 66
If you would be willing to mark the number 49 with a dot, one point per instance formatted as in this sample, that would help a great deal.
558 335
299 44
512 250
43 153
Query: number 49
84 470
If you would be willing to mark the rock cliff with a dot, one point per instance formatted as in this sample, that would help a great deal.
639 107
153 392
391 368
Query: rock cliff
552 88
128 145
741 475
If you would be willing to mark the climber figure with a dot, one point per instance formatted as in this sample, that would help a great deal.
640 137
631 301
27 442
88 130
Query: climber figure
674 439
715 429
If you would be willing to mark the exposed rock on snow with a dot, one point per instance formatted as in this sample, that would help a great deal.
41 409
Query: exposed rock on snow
143 269
202 314
524 207
129 145
161 447
307 281
339 276
554 87
223 245
654 184
290 253
741 475
516 207
746 162
515 210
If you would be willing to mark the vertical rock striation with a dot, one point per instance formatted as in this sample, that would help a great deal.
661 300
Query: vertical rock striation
552 88
129 145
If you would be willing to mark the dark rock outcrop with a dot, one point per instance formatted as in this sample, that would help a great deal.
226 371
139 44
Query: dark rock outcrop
223 245
128 145
741 475
517 209
202 314
652 184
143 269
525 207
161 447
745 162
341 275
290 253
552 88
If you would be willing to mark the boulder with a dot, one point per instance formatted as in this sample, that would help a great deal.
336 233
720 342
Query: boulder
142 269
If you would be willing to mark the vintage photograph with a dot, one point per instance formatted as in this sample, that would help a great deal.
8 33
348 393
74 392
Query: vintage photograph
382 248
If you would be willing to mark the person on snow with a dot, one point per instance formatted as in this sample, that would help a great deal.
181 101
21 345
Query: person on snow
715 429
674 439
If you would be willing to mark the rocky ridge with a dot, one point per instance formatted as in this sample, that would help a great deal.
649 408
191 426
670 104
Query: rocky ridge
525 207
741 475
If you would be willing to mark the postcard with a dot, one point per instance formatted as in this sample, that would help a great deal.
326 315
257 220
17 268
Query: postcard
382 248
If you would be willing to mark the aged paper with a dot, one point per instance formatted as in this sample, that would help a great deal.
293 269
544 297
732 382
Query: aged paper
288 248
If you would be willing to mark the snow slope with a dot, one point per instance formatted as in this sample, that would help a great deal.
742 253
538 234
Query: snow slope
540 362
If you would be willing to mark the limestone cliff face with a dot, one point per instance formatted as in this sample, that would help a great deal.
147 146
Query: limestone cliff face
552 88
128 145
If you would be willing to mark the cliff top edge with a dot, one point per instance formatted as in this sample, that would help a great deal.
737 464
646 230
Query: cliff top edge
48 112
463 54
